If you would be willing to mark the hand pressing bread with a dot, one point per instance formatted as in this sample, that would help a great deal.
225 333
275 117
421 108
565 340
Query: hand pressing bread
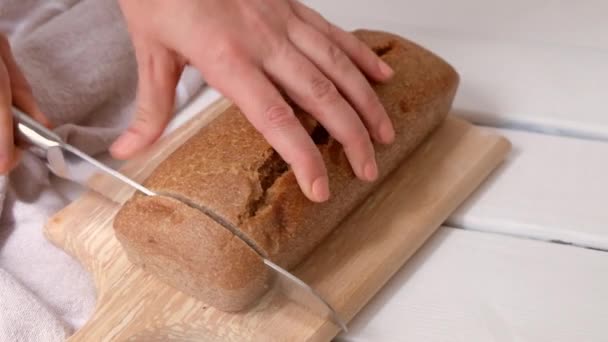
248 50
14 91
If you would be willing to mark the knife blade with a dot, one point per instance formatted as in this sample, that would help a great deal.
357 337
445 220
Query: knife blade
68 162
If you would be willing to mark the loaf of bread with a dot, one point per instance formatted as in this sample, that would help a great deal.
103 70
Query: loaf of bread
228 171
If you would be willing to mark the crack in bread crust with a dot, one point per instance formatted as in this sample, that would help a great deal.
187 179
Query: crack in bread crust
382 50
273 168
268 173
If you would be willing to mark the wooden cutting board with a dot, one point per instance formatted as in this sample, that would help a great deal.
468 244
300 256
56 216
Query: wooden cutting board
348 268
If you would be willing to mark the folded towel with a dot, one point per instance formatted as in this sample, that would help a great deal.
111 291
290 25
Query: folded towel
79 60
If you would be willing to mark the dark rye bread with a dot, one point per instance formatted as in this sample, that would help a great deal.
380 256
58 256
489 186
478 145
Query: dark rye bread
229 169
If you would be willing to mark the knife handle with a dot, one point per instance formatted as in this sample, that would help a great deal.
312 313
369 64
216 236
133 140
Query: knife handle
31 132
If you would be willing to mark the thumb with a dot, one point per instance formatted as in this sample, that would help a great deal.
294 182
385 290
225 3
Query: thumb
159 71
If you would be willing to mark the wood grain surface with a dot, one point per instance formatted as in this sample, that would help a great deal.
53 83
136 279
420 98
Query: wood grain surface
550 188
348 268
468 286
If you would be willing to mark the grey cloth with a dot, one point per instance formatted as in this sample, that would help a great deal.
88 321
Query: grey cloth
82 70
79 61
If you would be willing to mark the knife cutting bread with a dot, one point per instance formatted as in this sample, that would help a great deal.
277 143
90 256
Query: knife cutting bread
228 169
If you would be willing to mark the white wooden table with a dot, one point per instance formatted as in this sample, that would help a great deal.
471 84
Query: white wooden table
525 258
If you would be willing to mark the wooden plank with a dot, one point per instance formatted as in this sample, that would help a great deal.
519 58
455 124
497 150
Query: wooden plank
472 286
517 20
514 85
381 235
549 188
523 69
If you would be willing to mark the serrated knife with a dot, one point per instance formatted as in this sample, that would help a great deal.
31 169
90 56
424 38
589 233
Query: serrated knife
68 162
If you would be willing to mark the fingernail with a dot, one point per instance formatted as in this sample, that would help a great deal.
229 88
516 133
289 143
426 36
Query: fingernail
125 145
370 171
320 189
46 122
387 132
386 70
41 118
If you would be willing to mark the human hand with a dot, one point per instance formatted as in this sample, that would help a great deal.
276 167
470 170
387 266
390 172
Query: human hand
14 90
247 49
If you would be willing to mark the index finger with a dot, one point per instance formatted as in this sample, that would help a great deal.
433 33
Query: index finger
269 113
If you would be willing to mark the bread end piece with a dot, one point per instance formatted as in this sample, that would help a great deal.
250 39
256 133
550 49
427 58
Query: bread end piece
189 251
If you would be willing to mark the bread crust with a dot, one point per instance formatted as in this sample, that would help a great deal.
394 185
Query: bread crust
229 169
191 252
